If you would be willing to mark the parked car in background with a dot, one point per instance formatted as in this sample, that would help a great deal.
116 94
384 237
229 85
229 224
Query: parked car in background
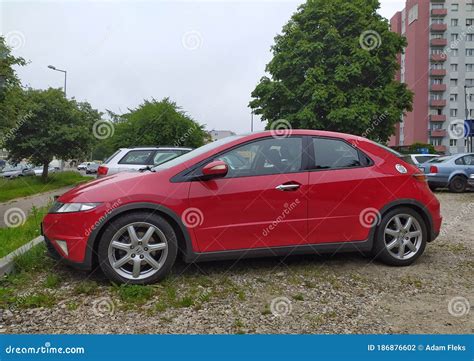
455 172
417 159
20 170
220 201
92 168
39 170
2 164
134 159
83 166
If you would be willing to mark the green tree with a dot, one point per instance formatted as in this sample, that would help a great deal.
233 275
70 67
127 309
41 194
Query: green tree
11 93
333 68
55 127
156 123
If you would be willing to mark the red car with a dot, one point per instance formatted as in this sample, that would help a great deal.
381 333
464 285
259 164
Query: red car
257 195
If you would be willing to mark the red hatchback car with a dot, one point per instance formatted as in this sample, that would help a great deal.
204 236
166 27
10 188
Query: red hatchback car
262 194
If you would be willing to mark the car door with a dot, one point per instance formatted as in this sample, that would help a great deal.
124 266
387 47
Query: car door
261 201
342 187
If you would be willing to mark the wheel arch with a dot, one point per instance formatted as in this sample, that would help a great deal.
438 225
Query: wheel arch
182 234
456 174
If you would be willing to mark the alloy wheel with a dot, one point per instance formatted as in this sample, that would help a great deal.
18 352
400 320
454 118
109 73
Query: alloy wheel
403 236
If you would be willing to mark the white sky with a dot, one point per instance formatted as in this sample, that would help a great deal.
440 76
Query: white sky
205 55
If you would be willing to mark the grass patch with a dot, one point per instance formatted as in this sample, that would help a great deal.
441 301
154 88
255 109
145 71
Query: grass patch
27 186
13 238
86 288
40 299
52 281
135 294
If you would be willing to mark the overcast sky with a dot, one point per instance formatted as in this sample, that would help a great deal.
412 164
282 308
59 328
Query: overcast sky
205 55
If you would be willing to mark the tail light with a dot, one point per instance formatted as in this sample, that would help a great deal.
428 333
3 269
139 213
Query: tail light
433 169
102 170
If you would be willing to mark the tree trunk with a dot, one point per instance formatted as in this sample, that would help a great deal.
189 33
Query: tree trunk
44 176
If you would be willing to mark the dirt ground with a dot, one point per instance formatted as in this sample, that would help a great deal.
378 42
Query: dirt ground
334 294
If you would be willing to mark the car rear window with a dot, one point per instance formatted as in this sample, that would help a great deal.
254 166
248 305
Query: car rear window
111 157
139 157
424 158
439 160
408 159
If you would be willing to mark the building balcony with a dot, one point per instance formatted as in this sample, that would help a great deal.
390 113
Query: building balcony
438 103
437 118
439 12
439 42
439 27
438 57
438 87
438 72
438 133
440 148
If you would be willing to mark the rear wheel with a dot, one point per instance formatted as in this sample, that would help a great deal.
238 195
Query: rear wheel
138 248
401 237
458 184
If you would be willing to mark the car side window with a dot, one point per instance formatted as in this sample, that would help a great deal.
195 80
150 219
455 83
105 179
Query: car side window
468 159
136 157
333 154
459 161
263 157
162 157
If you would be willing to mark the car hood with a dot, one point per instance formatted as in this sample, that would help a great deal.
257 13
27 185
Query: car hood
104 189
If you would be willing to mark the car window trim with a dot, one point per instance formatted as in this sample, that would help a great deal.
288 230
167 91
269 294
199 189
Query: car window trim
312 154
188 175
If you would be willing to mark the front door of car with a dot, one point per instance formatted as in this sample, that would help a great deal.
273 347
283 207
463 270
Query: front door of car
261 201
342 193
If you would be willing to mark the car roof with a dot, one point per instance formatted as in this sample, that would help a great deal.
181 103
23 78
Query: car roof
156 148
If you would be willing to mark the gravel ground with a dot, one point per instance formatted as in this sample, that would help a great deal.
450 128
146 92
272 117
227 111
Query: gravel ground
339 294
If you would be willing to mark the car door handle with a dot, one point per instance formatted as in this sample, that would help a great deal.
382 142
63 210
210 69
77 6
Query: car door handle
288 187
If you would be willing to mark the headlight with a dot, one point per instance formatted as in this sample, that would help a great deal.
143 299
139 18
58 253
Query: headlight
72 207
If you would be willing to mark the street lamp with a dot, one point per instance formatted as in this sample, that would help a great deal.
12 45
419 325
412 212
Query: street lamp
62 71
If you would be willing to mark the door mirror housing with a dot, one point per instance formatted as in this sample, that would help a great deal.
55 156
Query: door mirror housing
216 169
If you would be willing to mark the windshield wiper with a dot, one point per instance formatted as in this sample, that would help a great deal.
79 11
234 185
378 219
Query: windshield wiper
147 168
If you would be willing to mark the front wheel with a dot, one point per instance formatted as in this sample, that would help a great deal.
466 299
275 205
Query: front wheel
138 248
401 237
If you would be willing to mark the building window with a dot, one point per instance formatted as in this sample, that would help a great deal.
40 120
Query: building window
469 52
469 22
436 96
471 97
436 81
436 126
437 66
470 7
437 50
453 113
454 52
437 6
470 37
435 141
454 22
454 67
437 21
454 37
469 67
471 113
453 97
453 142
436 36
469 82
454 7
454 82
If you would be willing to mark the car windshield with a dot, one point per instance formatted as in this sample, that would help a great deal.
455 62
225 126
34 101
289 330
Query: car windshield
197 152
440 159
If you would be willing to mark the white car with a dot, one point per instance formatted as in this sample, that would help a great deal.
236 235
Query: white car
134 159
417 159
83 166
39 170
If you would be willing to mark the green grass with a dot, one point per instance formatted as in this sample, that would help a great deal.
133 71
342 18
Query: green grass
27 186
12 238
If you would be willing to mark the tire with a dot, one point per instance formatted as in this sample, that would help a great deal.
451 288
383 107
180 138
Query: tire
458 184
387 246
116 247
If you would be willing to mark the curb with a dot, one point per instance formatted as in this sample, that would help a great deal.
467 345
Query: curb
7 263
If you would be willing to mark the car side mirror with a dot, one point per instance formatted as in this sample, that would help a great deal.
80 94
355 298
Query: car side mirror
216 169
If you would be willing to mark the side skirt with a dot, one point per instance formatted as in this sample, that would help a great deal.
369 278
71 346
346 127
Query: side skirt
325 248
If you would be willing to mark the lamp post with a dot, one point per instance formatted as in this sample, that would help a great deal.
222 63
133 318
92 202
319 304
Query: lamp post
65 76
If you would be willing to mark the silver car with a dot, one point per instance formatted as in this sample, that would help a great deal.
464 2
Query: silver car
20 170
137 158
455 172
